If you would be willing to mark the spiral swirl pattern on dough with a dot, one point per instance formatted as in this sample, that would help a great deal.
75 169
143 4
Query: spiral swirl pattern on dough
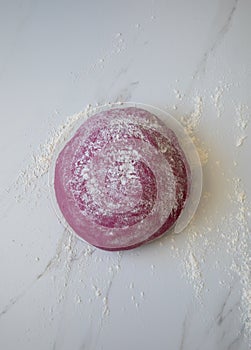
122 179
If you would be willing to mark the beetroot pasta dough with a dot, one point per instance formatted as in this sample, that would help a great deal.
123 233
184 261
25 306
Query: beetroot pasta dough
122 179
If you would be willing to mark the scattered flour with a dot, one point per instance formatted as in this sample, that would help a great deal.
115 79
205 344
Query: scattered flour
217 100
98 292
193 272
240 140
242 120
239 246
178 94
232 230
28 178
202 150
197 244
78 299
106 310
192 121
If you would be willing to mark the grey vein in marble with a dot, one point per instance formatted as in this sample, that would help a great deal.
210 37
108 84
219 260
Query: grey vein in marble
222 315
183 334
66 287
233 344
102 319
12 302
122 72
52 262
125 94
219 37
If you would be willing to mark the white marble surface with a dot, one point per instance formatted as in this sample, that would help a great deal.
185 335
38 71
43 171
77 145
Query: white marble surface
182 292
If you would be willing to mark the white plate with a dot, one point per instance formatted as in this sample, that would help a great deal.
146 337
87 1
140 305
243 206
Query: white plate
185 142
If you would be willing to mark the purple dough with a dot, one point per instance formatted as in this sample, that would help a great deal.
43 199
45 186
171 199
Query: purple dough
122 180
